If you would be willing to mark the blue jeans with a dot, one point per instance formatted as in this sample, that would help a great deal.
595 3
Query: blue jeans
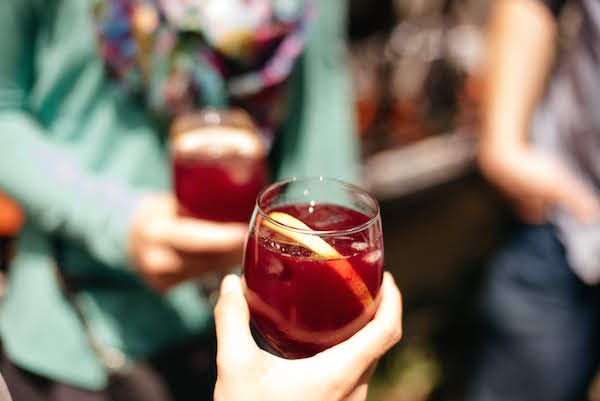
541 325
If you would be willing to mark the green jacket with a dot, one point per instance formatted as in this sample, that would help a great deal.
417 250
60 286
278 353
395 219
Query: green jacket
77 157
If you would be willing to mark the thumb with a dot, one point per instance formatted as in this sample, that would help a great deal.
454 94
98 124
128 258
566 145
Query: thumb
568 191
232 321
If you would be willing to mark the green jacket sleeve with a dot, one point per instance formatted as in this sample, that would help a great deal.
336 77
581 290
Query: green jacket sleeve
58 195
320 137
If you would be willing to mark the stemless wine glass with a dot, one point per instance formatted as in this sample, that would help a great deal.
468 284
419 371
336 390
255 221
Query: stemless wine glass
219 164
313 264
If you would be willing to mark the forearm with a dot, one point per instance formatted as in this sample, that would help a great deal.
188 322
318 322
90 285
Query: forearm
521 46
59 195
54 187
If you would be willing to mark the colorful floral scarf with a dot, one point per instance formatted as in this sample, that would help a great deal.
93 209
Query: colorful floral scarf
181 55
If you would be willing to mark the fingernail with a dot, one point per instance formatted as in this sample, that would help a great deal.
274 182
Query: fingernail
230 284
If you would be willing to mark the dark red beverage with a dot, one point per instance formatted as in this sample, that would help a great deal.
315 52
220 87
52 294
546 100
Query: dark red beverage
218 190
308 292
219 166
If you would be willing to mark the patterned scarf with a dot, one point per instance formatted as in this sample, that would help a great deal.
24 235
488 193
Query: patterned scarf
181 55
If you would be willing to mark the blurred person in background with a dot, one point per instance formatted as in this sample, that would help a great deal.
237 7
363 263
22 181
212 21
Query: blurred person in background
87 92
541 146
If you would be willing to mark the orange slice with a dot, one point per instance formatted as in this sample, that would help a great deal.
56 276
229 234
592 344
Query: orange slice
324 250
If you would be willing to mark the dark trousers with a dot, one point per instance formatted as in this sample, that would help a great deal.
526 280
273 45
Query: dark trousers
184 373
541 325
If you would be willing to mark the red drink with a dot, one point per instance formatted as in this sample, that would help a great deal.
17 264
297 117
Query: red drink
218 190
305 300
219 167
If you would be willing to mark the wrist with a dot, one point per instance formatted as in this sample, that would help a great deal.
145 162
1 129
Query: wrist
496 155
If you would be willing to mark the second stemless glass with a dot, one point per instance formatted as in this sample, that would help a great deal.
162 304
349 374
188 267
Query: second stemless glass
313 264
219 164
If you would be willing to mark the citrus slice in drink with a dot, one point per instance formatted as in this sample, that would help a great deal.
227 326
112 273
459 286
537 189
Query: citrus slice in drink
323 250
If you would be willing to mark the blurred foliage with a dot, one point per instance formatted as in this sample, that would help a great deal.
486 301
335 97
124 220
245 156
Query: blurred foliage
411 373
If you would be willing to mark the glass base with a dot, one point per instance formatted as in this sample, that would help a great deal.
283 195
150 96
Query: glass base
262 344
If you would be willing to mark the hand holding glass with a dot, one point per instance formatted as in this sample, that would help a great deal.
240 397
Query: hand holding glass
313 264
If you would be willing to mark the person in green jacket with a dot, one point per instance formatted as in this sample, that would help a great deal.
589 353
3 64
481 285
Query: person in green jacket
87 90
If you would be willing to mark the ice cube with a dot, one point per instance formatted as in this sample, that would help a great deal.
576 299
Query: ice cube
359 246
275 267
373 257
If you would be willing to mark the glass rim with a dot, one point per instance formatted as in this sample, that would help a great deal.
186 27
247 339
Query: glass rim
320 233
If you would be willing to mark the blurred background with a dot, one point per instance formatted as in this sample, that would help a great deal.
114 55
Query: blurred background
416 68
